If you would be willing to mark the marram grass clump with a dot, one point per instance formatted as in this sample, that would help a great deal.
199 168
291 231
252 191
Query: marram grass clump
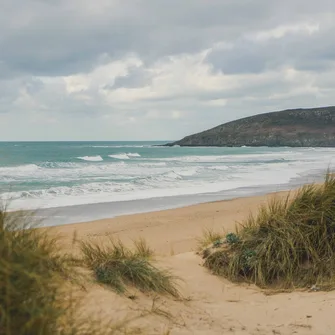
38 282
120 267
289 243
32 299
209 236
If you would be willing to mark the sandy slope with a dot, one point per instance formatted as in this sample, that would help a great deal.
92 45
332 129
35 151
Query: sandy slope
212 305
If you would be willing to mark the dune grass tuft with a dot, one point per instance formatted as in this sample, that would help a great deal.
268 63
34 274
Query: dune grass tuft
289 243
118 267
37 283
209 236
31 277
142 249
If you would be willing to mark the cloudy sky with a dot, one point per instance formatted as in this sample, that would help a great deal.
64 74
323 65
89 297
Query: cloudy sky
158 69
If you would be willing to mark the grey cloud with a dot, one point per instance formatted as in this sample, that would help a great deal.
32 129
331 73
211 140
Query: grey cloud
137 77
33 85
314 52
58 38
9 92
244 57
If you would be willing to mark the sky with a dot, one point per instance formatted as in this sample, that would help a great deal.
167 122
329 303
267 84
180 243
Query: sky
158 69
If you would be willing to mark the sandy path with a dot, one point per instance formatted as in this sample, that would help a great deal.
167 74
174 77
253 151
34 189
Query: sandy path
213 305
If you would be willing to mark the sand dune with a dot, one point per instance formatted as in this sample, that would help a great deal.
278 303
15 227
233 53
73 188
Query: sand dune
212 305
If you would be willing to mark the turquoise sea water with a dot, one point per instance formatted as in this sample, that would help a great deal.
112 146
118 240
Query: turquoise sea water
52 174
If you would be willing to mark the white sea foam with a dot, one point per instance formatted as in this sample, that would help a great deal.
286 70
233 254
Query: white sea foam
152 164
120 146
171 183
190 171
119 156
91 158
219 167
136 177
67 171
234 158
124 155
133 154
17 169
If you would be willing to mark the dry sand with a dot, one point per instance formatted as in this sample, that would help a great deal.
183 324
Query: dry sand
212 305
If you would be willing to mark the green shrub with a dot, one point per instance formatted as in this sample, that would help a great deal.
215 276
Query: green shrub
289 243
232 238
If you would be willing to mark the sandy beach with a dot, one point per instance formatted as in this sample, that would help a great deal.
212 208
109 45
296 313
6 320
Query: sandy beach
212 305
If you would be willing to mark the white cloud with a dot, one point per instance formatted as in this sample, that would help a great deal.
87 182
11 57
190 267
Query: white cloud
102 76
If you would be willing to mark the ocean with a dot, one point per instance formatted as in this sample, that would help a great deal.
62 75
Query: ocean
42 175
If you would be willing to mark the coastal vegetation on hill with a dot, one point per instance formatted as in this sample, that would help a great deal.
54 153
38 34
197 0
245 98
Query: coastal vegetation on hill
310 127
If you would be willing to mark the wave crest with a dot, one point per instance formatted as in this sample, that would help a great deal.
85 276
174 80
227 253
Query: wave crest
124 155
91 158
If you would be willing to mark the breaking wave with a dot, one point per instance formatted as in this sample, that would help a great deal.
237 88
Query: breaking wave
91 158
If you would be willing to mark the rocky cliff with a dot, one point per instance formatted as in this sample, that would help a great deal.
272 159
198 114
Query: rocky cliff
313 127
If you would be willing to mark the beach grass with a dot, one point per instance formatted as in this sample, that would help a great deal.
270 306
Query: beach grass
209 236
32 273
119 267
142 249
289 243
38 284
